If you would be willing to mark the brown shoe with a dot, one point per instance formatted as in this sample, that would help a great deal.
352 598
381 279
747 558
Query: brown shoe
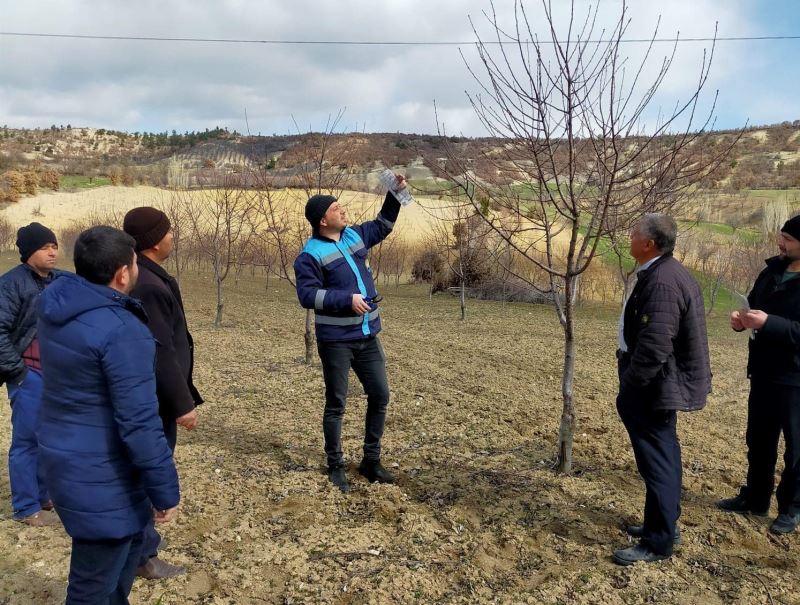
156 569
41 519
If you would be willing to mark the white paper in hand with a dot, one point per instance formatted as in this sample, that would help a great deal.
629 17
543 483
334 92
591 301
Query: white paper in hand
389 181
740 301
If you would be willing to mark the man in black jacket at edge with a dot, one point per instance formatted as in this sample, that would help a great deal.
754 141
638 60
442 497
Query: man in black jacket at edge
21 369
773 368
177 395
663 367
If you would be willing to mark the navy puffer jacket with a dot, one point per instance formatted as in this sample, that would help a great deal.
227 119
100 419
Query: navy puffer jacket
102 447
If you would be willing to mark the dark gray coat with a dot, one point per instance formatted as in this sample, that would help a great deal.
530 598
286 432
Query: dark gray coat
665 330
158 291
19 290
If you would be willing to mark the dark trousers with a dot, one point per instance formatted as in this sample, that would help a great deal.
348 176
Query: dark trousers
101 572
368 361
772 409
152 538
28 491
657 451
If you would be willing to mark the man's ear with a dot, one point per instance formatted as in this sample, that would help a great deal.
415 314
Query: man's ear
122 276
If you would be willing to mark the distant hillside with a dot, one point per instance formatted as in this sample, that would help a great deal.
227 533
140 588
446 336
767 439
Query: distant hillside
765 157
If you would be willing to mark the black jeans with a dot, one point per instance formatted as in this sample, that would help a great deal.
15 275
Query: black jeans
152 538
772 409
368 361
657 452
101 572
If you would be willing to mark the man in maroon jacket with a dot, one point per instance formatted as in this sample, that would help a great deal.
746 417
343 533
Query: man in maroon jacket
177 395
663 368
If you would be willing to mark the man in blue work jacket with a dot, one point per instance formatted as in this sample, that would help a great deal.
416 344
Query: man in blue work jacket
333 278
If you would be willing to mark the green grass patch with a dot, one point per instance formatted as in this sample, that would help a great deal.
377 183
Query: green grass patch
431 186
743 234
76 181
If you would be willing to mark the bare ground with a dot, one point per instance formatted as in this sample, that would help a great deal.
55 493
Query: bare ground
476 516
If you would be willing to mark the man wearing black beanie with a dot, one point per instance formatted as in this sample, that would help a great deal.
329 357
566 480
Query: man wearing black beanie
333 277
21 369
773 315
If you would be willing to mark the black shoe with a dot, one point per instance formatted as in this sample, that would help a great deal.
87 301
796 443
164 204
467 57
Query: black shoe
156 569
739 504
785 523
636 554
374 472
338 477
637 531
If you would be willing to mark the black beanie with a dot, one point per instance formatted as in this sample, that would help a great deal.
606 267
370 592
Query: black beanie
146 225
792 227
316 207
32 237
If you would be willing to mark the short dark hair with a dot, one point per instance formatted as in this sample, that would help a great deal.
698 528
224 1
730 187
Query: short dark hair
660 228
100 251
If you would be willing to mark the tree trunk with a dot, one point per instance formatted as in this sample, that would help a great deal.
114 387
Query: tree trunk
220 304
463 301
566 430
309 337
177 256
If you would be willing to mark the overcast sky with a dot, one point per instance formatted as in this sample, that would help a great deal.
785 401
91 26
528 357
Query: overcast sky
156 86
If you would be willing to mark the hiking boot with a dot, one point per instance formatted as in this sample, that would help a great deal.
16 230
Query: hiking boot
785 523
156 569
637 531
42 518
338 477
637 554
374 472
739 504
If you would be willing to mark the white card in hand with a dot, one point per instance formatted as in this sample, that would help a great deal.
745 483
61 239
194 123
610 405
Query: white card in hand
740 301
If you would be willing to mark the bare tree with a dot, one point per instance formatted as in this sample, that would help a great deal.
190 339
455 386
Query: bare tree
575 164
7 234
775 213
178 208
278 225
461 240
279 232
221 228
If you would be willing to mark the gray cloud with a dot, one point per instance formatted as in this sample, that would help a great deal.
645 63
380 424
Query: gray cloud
160 86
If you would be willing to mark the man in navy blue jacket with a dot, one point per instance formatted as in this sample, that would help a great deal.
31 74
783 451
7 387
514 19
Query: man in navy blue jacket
333 278
107 463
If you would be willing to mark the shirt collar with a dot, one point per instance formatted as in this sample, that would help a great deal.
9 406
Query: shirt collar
647 265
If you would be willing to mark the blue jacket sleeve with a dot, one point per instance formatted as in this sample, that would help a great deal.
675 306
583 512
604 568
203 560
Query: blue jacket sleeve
374 232
127 360
311 289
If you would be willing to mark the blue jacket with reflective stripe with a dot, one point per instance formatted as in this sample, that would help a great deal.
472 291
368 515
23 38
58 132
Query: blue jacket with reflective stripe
328 273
